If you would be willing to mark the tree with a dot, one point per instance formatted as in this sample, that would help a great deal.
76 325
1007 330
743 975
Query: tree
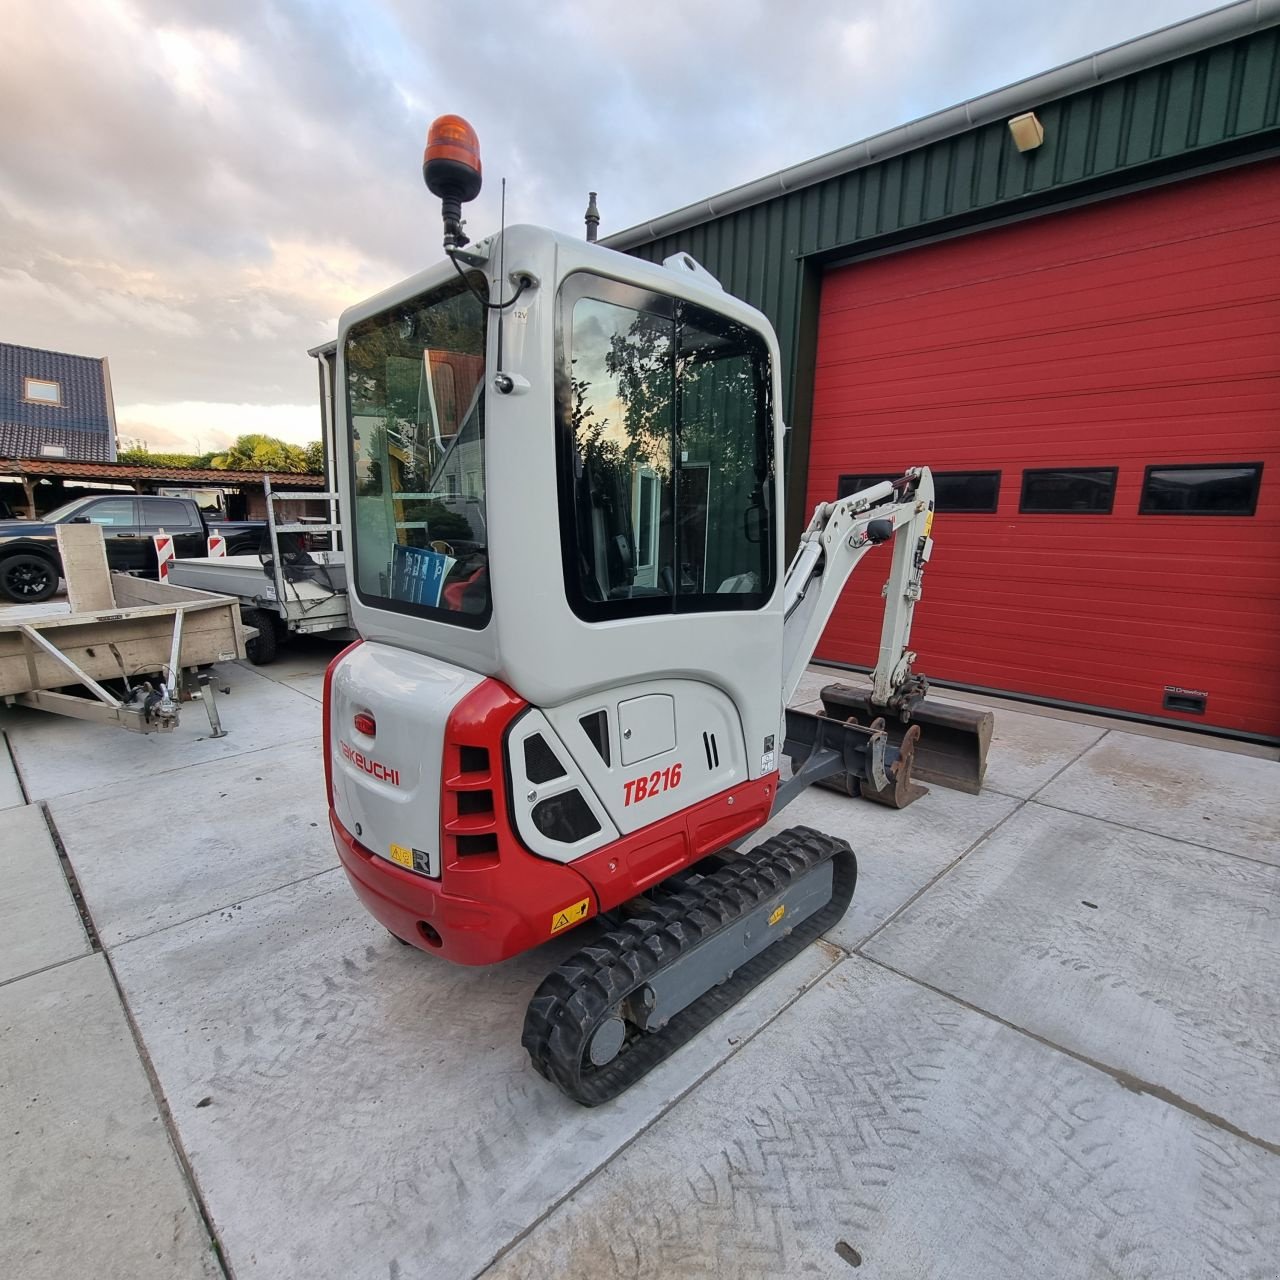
249 453
256 452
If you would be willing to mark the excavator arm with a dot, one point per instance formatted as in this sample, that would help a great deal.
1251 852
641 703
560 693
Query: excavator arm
873 741
833 545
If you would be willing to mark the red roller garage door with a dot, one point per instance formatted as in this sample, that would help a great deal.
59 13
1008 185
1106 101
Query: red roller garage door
1118 368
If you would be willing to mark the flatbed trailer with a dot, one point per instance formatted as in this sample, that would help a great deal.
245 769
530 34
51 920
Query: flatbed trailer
136 659
277 600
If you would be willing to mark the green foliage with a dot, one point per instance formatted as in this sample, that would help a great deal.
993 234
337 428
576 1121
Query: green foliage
249 453
449 319
442 523
642 362
138 455
256 452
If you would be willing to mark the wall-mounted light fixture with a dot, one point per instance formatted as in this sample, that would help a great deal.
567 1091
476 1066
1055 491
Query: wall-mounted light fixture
1027 131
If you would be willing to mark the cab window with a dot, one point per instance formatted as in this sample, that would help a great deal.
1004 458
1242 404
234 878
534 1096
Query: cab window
665 455
415 423
111 512
168 514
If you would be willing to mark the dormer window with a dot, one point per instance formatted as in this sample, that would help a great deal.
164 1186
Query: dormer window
41 391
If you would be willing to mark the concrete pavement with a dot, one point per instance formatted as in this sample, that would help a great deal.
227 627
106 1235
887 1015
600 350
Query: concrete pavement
90 1184
1043 1041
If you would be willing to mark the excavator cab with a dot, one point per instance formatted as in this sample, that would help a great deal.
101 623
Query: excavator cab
562 496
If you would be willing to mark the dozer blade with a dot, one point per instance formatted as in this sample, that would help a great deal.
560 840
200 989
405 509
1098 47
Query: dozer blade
953 741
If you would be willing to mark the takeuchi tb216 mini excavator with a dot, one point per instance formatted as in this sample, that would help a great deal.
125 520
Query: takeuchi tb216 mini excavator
561 472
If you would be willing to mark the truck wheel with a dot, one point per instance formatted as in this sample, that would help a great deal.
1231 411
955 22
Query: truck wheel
27 579
261 649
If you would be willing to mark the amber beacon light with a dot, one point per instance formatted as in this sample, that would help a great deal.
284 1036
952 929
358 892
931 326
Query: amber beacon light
451 170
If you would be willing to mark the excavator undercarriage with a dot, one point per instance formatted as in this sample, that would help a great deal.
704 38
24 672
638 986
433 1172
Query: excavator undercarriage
630 998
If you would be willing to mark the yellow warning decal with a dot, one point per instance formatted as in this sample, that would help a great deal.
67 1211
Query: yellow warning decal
402 855
570 915
778 914
928 524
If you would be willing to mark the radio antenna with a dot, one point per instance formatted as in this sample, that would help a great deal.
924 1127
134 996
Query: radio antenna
502 266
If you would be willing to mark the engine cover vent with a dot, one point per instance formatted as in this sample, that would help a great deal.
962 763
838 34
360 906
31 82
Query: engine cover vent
565 818
596 726
540 762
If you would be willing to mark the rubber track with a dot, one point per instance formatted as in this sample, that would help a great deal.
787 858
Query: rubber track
574 999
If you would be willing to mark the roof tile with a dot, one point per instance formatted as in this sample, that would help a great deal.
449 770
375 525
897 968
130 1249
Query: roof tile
85 409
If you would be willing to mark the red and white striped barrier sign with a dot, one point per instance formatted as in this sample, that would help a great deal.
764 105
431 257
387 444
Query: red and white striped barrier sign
164 554
217 546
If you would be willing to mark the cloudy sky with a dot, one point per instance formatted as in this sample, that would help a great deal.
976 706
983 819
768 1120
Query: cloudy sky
196 188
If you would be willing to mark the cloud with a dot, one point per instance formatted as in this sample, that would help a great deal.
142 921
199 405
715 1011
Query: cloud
197 190
199 426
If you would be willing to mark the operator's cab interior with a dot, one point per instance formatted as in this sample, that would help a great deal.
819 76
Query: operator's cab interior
415 388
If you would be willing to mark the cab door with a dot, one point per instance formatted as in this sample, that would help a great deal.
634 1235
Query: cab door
179 520
126 543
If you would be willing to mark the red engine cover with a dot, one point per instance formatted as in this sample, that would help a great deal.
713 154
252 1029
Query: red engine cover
495 898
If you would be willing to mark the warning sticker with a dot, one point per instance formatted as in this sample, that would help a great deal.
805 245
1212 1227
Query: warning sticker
928 524
778 914
570 915
402 855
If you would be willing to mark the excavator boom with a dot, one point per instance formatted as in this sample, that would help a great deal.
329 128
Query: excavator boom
934 741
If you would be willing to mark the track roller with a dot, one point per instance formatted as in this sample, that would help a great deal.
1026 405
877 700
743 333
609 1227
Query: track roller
619 1006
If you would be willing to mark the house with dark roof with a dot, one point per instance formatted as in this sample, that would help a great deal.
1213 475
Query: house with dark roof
55 405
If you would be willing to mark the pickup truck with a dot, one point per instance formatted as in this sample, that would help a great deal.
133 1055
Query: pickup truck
29 564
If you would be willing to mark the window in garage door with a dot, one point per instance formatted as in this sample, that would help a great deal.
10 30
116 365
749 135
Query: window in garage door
1202 489
954 491
1069 490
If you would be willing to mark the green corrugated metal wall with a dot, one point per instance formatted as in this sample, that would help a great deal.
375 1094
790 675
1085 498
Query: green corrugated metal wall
1207 107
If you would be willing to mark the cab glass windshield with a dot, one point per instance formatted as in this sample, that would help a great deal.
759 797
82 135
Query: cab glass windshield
415 415
62 512
665 455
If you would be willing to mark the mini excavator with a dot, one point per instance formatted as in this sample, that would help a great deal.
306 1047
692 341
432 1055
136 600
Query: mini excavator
562 507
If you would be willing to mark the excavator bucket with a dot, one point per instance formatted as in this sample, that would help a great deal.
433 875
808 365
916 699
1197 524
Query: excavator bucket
953 740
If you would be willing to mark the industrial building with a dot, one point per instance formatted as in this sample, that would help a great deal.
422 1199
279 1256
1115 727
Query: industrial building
1064 297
